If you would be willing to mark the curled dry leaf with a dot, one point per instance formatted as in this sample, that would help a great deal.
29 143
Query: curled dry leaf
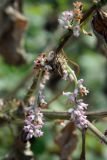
67 141
13 24
99 24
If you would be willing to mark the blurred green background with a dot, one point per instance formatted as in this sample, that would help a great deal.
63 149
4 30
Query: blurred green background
42 34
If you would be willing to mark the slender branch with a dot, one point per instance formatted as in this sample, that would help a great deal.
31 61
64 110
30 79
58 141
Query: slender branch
30 91
97 132
88 13
64 39
33 88
97 114
82 157
66 115
56 115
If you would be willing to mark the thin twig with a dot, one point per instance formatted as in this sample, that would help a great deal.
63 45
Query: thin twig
66 115
30 91
56 115
97 132
97 114
82 157
34 87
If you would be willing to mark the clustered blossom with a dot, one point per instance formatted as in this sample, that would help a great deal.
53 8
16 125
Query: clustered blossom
65 19
83 91
78 112
41 97
33 117
71 19
33 123
42 62
68 73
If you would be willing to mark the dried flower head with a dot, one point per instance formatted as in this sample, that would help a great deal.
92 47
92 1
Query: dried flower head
78 4
83 91
40 61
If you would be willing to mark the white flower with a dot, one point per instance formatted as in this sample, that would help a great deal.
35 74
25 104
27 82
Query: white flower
38 133
66 93
42 86
66 18
82 89
76 31
65 75
78 114
50 56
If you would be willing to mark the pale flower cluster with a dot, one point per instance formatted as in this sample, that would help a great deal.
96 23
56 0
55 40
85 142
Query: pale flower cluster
33 123
42 63
41 98
65 19
78 112
71 19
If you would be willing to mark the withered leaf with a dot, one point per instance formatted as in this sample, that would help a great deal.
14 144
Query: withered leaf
13 24
16 17
67 141
99 24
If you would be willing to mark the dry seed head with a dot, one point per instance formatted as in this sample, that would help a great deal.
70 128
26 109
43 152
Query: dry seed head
60 63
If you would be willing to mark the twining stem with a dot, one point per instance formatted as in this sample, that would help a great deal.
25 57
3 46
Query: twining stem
82 157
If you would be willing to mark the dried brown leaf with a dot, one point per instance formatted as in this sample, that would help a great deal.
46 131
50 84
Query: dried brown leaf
99 24
13 24
67 141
